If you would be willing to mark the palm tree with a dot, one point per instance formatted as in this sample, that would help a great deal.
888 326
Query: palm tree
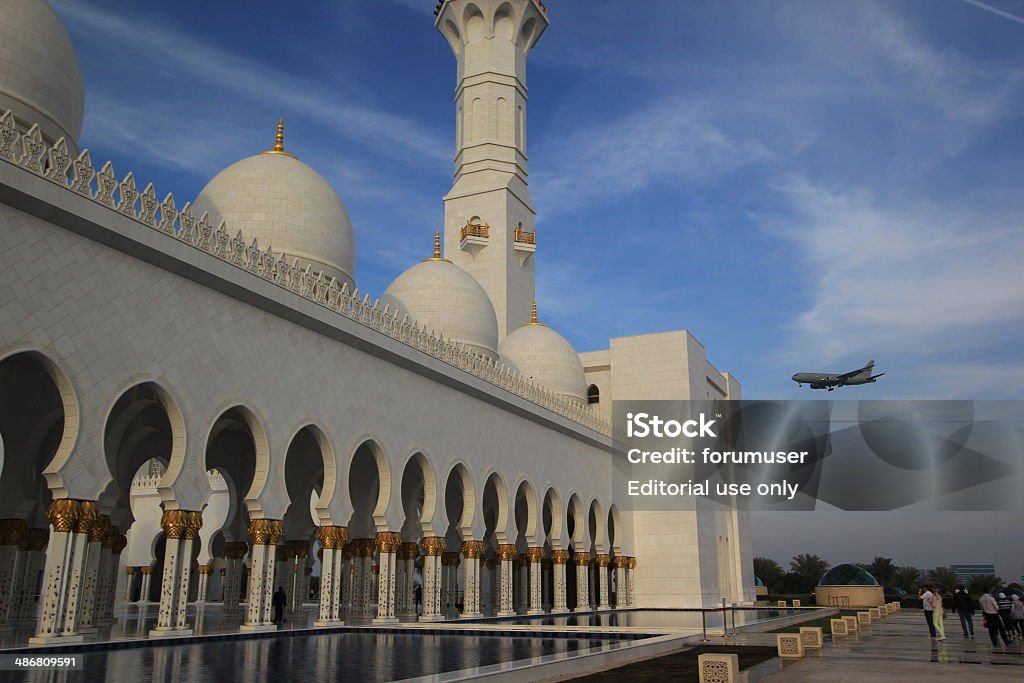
770 572
984 584
883 570
906 578
809 569
944 578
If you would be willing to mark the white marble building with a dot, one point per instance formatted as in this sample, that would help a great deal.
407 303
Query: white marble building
196 400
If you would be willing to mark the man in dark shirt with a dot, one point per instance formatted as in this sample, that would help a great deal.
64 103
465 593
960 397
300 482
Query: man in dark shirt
279 602
965 610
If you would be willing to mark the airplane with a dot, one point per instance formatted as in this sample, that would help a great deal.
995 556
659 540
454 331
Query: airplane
828 380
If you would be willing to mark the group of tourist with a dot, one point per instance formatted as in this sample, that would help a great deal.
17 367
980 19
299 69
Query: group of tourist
1002 616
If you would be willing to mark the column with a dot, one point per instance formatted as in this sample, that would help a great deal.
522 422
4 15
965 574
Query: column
71 521
332 539
547 572
147 575
535 555
115 543
524 582
234 554
450 582
582 559
13 537
401 605
407 559
181 529
388 543
90 576
130 573
560 600
366 549
298 552
223 581
630 596
621 563
472 551
34 562
265 535
204 582
487 581
432 547
603 561
506 553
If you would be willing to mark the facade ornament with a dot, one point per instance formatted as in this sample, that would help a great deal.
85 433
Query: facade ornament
265 531
472 549
506 552
582 558
388 541
535 554
433 546
174 523
559 556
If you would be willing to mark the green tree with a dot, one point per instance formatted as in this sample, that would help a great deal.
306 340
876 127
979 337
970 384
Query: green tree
906 578
770 572
984 584
808 570
944 578
883 570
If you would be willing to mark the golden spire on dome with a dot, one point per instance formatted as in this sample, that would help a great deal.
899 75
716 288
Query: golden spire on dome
279 141
437 249
533 315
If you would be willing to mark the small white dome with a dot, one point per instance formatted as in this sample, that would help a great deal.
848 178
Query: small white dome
40 78
439 295
546 357
286 205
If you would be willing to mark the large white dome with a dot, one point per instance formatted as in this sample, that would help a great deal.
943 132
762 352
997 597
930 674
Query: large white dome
40 78
546 357
439 295
287 206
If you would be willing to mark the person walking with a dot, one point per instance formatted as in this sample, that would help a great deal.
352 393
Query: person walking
928 605
964 608
1004 613
1017 614
938 614
993 622
279 601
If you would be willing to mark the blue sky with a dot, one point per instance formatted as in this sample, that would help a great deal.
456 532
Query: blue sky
803 185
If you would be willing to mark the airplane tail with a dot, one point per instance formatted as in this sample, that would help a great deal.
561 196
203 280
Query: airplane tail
870 365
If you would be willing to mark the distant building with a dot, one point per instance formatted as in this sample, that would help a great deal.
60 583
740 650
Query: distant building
966 572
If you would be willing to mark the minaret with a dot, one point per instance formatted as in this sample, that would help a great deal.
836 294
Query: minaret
489 218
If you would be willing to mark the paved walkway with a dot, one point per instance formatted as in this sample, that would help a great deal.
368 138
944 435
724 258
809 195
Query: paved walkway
896 649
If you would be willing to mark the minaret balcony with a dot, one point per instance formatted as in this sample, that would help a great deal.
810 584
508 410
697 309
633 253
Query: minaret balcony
525 244
474 236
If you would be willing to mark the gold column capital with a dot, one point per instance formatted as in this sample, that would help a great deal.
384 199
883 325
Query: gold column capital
235 550
535 554
621 562
89 516
174 523
130 571
205 569
388 541
36 540
409 551
299 548
193 523
64 513
581 557
506 552
559 556
603 559
146 570
99 530
632 563
13 532
450 559
347 551
119 544
265 531
332 537
472 549
375 569
433 546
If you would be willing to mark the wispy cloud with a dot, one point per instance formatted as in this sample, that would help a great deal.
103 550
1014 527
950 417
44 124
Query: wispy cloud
162 47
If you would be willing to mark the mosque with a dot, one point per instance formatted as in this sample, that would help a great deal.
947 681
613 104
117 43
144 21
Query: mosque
198 403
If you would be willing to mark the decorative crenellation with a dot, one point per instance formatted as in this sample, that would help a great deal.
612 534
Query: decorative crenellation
79 176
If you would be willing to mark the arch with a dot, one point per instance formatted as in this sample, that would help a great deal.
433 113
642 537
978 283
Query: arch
593 394
526 512
67 399
574 512
144 411
476 121
527 35
418 471
308 470
504 22
329 462
503 123
494 507
596 523
369 487
615 530
246 416
451 32
459 489
553 508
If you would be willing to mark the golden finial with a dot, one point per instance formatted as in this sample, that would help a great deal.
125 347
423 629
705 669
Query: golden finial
533 315
437 248
279 140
